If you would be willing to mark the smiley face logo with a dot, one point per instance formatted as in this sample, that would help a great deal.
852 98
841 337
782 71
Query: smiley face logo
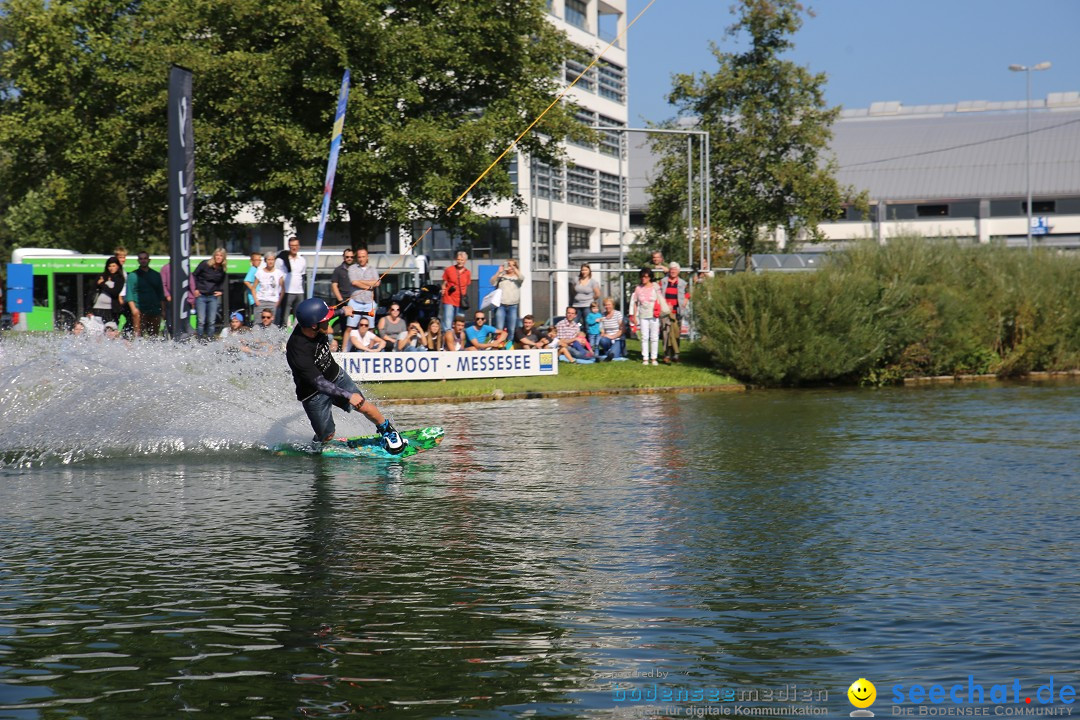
862 693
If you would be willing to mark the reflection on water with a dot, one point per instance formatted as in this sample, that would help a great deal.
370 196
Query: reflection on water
552 554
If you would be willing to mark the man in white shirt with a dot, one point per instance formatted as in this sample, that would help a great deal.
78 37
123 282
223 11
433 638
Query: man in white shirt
269 285
295 266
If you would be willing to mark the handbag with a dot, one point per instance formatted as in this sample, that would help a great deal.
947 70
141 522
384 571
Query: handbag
492 299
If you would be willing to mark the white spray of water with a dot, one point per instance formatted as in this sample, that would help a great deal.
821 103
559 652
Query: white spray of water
66 398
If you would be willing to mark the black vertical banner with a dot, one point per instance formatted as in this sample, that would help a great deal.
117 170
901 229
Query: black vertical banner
181 197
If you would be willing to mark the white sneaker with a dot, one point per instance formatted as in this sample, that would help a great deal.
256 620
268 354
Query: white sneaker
644 362
654 363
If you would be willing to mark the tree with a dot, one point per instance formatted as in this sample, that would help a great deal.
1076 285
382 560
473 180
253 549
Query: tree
439 89
769 131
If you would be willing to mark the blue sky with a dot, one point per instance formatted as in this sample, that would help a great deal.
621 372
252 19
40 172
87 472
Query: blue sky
916 51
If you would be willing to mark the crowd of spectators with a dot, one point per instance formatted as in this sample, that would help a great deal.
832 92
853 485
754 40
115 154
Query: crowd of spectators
591 330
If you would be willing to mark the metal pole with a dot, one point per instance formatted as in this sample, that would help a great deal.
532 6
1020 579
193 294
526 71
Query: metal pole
1027 155
701 202
622 259
707 260
690 201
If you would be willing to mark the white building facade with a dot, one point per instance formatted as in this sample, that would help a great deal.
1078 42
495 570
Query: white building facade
572 212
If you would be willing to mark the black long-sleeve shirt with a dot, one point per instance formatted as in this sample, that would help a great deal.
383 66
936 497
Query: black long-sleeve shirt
208 278
313 367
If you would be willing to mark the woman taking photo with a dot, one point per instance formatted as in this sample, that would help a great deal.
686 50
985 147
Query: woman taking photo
586 292
110 284
209 287
508 279
646 305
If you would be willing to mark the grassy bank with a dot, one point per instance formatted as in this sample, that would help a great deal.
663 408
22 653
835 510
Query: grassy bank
693 372
913 308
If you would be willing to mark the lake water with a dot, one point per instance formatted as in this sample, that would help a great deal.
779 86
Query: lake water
570 558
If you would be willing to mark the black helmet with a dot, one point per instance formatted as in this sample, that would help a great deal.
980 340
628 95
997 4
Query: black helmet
311 312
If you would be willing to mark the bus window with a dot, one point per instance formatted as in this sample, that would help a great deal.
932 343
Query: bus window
41 291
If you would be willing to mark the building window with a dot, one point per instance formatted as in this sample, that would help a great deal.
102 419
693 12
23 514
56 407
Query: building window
1006 208
547 181
542 243
609 139
607 24
612 81
581 186
577 239
1039 207
964 209
588 119
512 170
587 81
610 192
576 14
932 211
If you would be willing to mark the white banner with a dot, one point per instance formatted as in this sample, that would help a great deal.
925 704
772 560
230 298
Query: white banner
366 367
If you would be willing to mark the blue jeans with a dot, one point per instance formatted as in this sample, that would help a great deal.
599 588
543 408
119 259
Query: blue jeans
448 313
506 317
206 308
578 351
318 405
611 349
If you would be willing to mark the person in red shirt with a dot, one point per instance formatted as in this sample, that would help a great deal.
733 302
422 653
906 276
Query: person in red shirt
455 288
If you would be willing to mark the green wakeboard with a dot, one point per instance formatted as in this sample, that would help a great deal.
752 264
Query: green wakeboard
367 446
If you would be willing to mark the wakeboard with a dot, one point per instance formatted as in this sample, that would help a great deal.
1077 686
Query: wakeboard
367 446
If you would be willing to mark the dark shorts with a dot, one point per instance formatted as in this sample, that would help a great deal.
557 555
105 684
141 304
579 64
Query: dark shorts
318 405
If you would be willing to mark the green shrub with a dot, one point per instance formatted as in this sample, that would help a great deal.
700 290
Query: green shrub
876 314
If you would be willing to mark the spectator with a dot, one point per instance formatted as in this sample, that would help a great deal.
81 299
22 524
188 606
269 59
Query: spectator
455 288
362 280
146 296
553 343
236 325
109 285
675 296
249 283
659 269
527 337
508 279
392 326
483 336
581 349
90 325
209 286
436 341
586 292
592 324
266 318
339 279
269 286
361 338
647 305
412 340
612 344
293 265
339 283
455 337
567 331
120 253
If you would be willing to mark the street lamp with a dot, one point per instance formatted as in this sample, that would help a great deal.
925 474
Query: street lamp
1027 136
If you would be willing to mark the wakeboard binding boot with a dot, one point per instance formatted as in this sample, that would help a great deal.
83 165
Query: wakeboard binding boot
392 441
